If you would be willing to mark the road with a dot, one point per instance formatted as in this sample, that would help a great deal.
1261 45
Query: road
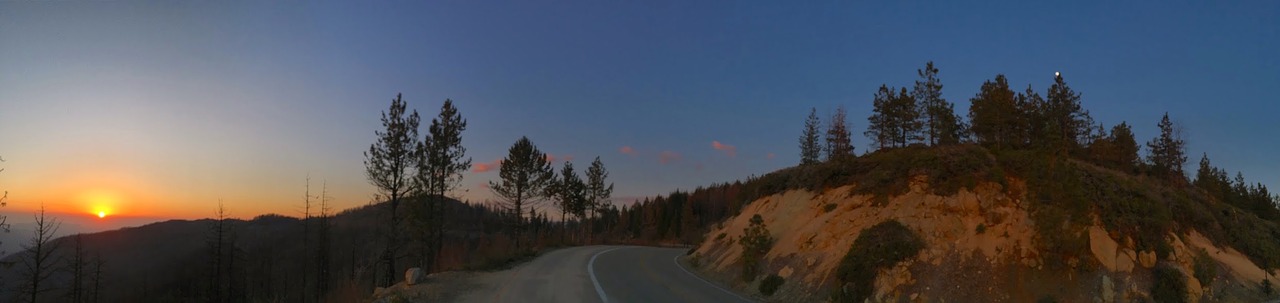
601 274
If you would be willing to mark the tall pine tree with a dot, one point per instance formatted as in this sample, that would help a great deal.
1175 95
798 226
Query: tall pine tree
440 166
523 179
810 147
389 166
995 115
938 117
1168 151
896 121
839 142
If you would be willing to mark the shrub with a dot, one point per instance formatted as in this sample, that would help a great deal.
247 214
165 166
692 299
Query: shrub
720 237
1266 287
770 285
1168 284
755 242
982 228
828 208
876 248
1206 269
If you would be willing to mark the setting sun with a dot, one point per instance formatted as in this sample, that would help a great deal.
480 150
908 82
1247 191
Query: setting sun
102 214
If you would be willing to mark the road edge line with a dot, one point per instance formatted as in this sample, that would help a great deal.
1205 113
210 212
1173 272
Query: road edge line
676 260
591 270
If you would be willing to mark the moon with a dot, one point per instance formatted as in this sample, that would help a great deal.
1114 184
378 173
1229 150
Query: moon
1057 74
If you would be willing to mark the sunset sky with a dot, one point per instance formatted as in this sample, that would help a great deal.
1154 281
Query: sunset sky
160 109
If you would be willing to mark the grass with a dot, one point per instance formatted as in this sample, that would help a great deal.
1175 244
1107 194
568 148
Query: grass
878 247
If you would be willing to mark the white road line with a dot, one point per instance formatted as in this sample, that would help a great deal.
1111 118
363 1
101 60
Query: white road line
676 260
591 270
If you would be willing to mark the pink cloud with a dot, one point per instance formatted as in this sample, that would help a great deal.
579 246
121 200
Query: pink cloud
486 166
552 158
627 150
730 150
668 156
770 156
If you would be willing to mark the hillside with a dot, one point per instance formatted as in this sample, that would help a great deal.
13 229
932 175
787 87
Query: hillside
169 261
1008 226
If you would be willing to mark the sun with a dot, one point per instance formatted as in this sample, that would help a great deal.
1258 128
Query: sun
102 214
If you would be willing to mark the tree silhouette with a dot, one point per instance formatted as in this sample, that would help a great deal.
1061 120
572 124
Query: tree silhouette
95 293
524 176
896 122
839 142
810 147
37 257
389 165
598 194
995 115
1168 151
440 170
1067 123
216 244
938 117
77 265
323 240
569 193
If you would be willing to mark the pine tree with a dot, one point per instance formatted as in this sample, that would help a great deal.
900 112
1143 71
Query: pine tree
938 117
1125 147
896 121
839 142
389 166
1168 151
1066 121
524 176
440 169
995 114
569 192
810 148
77 265
598 194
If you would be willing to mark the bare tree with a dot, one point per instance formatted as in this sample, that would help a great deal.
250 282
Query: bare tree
37 258
77 265
216 243
322 242
389 166
95 294
4 220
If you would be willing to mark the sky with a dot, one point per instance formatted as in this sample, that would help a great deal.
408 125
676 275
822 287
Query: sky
163 109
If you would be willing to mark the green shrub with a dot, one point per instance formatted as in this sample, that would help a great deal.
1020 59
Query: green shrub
755 242
1168 284
1206 268
770 285
720 237
982 228
878 247
828 208
1266 287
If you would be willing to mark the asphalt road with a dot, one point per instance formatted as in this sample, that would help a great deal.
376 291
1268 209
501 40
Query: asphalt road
602 274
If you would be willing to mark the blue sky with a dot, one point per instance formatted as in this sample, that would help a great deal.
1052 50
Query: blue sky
165 107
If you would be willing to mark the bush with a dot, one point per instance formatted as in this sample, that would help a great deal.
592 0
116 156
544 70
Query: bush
878 247
1168 284
828 208
982 228
1206 268
755 242
770 285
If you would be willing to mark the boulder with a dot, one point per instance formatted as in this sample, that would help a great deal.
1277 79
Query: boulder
1108 290
1103 247
412 276
1147 258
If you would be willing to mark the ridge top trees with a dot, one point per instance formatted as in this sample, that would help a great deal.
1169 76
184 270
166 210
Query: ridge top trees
598 194
1168 151
524 176
1068 125
570 194
995 114
810 147
839 141
896 121
938 117
389 165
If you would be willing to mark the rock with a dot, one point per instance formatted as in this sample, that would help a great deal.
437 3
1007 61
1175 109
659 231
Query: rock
1194 289
1103 247
412 276
377 291
1108 290
1147 259
1124 262
786 272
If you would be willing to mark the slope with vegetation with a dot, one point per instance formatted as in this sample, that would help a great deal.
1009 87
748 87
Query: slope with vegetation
1034 196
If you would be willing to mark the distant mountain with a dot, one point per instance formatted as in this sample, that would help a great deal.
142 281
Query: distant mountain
169 261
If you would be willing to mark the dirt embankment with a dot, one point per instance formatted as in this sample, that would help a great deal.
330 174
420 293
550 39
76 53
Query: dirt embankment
979 243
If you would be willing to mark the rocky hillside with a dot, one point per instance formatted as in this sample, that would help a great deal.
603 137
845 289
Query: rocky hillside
1007 227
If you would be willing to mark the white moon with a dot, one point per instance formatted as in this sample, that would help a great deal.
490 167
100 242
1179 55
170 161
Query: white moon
1057 74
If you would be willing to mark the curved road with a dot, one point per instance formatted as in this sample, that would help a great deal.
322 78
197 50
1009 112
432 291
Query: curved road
602 274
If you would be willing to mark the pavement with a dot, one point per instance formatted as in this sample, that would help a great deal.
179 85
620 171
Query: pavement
601 274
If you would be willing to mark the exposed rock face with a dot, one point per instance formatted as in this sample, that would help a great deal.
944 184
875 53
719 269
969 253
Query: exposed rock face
412 276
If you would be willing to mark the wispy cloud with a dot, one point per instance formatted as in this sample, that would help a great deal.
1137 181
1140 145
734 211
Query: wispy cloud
770 156
627 150
486 166
552 158
668 156
728 149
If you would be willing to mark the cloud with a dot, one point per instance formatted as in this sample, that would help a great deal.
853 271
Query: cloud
770 156
730 150
486 166
627 150
668 156
552 158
